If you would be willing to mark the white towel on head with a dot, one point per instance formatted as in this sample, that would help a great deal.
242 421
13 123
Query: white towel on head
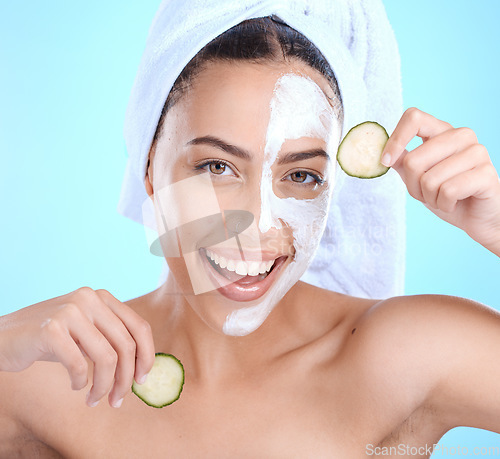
363 250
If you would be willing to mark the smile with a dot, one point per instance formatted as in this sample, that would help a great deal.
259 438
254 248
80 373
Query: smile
243 268
241 280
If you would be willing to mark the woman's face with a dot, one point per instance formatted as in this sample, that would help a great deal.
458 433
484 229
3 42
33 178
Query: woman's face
242 175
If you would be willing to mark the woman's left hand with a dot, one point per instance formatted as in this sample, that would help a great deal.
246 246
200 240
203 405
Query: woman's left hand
451 173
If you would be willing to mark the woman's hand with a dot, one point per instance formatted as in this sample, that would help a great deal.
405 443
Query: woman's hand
83 323
451 173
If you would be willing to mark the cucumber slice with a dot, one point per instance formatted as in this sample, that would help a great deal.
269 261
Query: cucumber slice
359 153
164 383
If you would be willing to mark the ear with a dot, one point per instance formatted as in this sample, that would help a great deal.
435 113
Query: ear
147 180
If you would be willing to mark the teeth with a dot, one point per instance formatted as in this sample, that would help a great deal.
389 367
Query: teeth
222 262
265 266
253 268
243 268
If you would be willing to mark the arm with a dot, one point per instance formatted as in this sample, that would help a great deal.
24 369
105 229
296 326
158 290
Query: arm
468 383
451 173
437 355
453 176
83 323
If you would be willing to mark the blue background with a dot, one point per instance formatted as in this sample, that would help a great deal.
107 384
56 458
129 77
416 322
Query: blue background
65 76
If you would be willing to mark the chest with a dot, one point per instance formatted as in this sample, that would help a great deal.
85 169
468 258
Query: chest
333 408
221 433
296 421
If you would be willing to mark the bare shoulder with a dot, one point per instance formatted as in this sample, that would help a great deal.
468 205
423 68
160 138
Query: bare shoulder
398 332
33 402
440 349
423 328
139 303
430 319
331 307
12 388
45 417
149 306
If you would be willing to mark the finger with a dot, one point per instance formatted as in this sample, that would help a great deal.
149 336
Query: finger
117 338
414 122
472 183
139 329
431 180
129 335
436 149
65 350
115 332
100 352
414 164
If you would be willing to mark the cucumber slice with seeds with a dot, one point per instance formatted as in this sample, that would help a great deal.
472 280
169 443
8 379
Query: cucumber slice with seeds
164 383
359 153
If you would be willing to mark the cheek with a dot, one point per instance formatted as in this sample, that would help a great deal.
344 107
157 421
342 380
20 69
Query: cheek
306 218
188 217
183 203
299 109
232 198
180 272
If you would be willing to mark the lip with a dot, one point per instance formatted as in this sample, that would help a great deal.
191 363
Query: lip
237 291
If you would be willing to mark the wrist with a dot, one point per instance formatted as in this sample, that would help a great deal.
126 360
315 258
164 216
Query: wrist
3 332
5 342
488 237
495 248
493 245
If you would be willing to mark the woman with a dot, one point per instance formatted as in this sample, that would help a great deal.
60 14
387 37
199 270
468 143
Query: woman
355 373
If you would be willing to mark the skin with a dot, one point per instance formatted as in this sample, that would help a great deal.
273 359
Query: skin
175 159
322 382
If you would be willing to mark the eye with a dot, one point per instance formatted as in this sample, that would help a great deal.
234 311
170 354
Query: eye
304 177
299 176
216 167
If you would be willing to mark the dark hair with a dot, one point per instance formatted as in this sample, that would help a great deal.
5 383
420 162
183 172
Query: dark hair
260 40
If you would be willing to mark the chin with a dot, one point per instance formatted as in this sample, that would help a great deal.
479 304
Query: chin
242 292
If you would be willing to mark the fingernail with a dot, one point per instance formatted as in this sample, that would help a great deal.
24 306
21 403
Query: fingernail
386 160
118 403
89 403
142 379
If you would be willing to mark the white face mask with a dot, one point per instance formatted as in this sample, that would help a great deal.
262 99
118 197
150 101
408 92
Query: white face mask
298 109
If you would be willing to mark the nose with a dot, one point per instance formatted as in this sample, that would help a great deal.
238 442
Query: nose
252 221
253 207
267 206
237 221
265 214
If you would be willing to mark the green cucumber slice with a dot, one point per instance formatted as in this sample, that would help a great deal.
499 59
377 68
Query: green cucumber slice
359 153
164 383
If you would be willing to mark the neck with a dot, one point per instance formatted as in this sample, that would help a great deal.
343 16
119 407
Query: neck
212 355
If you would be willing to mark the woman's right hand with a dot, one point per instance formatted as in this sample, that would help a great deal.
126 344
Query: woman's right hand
70 327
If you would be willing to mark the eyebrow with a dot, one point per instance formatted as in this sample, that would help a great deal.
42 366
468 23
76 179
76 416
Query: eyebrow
302 156
221 145
244 154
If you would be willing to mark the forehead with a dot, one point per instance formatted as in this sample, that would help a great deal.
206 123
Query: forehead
232 100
